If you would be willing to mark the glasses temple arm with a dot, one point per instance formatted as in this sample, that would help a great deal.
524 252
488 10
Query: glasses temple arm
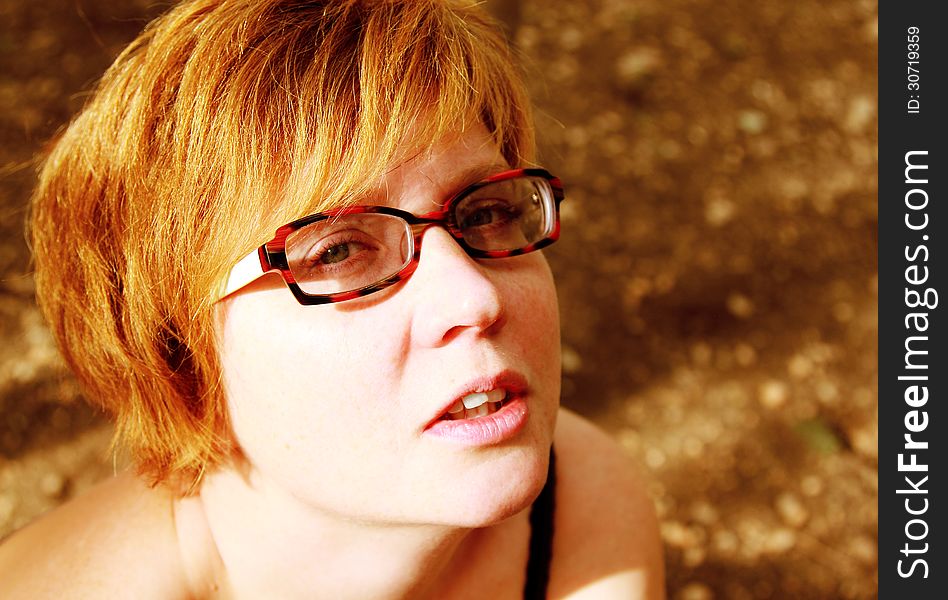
249 269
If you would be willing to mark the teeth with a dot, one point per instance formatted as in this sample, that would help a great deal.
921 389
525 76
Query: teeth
474 400
496 395
477 404
478 398
474 413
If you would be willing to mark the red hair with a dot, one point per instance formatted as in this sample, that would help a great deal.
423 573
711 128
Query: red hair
223 120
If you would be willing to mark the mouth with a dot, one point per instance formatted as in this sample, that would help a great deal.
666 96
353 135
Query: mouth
482 397
476 405
485 412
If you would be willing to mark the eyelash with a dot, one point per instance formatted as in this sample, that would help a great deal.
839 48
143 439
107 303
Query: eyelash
321 249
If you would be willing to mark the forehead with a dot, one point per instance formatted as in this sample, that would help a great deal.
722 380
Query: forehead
430 177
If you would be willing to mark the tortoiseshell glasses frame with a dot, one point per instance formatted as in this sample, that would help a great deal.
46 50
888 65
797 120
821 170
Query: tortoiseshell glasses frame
508 214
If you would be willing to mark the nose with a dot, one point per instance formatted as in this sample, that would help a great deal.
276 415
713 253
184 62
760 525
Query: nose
455 294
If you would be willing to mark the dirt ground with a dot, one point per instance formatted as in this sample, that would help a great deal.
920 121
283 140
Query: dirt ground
717 271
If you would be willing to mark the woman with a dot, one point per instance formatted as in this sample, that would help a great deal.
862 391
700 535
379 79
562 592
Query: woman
362 405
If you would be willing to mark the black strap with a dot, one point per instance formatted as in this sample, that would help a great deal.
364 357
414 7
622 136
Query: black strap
541 537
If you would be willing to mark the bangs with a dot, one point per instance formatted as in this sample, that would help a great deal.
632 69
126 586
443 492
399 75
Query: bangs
401 78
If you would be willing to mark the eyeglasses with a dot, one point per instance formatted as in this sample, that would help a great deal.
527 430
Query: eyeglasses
355 251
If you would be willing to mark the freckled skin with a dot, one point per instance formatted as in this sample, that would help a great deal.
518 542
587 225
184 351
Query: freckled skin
330 402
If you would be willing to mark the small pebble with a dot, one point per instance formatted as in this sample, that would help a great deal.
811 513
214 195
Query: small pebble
773 394
695 591
572 361
752 121
740 305
635 67
791 510
780 541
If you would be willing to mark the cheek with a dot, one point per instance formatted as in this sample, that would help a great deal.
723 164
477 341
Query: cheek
534 316
296 387
533 338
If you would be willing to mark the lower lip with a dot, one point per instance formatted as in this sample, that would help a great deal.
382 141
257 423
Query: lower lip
484 431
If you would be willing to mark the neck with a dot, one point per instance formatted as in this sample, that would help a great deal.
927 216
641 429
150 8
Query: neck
271 544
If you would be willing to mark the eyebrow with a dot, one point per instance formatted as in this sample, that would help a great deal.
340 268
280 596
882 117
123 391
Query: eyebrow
454 183
475 174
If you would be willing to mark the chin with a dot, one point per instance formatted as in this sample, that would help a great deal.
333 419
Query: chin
499 489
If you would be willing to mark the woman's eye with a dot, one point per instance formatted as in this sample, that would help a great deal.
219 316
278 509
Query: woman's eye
487 215
335 253
480 217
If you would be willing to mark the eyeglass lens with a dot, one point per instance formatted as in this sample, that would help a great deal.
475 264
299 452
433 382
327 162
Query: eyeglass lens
349 252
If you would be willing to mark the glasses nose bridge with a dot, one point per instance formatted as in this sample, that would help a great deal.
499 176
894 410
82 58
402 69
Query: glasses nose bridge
442 219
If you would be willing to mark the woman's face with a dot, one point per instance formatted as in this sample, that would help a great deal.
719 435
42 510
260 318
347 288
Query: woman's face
342 404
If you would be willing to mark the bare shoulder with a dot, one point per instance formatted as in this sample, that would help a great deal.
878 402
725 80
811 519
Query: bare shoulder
606 541
116 541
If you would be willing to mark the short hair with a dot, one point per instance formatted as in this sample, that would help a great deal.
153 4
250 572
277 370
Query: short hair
223 120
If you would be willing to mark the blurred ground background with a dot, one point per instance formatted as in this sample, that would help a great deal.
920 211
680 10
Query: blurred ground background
717 271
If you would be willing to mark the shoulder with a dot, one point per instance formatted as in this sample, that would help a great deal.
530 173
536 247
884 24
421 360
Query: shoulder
116 541
606 540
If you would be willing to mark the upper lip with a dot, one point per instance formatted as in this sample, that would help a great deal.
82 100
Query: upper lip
512 381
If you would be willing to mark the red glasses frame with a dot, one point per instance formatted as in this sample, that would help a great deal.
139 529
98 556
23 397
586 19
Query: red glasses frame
271 256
